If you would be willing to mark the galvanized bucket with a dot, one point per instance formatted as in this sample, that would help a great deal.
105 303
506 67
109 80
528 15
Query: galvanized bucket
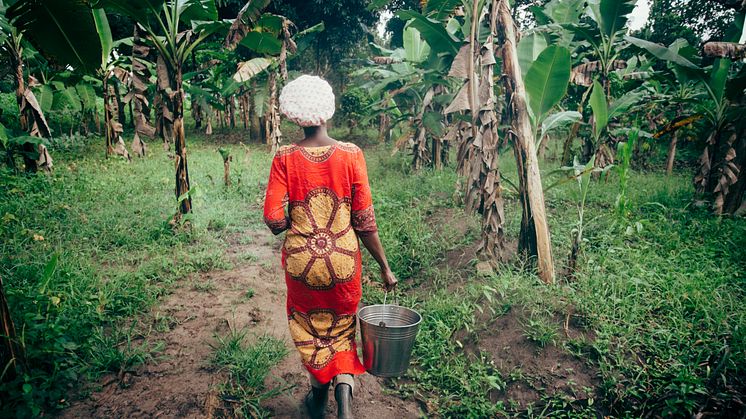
388 333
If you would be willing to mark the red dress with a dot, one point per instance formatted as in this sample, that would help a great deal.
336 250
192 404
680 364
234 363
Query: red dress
328 198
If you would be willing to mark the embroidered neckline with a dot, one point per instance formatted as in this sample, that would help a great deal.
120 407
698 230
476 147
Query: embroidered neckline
317 154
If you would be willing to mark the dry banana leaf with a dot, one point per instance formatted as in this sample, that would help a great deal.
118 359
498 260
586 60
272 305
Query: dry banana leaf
460 102
139 148
460 65
39 126
246 18
731 50
583 74
44 162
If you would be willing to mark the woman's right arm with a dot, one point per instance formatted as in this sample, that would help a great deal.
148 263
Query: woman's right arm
372 242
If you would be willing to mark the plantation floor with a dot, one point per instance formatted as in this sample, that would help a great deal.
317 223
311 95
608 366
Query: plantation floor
184 382
124 316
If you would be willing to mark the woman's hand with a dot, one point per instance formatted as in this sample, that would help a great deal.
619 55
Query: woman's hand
389 280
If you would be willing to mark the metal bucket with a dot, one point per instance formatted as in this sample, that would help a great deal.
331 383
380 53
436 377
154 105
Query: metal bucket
388 347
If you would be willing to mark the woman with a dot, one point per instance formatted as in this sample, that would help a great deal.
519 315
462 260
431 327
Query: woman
324 183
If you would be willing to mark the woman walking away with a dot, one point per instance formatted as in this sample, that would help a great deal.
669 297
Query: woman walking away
324 184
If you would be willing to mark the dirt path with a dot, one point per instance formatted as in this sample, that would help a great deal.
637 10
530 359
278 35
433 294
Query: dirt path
183 384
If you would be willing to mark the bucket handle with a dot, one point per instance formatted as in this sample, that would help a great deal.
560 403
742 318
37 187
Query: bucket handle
383 311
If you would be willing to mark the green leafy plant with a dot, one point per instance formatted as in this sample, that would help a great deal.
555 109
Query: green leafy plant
248 364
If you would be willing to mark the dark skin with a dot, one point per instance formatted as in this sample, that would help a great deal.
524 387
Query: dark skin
318 137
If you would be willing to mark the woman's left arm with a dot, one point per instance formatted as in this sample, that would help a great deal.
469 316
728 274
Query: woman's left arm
276 198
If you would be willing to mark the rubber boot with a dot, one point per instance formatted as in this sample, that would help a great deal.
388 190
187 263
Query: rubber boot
343 394
315 401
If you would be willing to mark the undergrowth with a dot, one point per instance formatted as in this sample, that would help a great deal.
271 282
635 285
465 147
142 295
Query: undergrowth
104 223
660 289
248 365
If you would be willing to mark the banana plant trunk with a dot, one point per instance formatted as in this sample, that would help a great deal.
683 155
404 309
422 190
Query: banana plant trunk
24 117
534 236
11 354
272 115
232 110
255 123
182 168
108 117
120 105
245 110
672 148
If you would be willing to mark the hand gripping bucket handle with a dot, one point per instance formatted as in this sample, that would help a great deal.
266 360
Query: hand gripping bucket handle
388 333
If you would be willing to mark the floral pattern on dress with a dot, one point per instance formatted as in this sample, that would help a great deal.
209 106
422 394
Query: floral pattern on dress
321 246
319 334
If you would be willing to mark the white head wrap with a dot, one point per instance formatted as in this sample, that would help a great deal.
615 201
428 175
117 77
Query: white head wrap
308 101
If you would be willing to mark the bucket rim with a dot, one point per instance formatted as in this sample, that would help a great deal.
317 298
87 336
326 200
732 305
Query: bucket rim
417 323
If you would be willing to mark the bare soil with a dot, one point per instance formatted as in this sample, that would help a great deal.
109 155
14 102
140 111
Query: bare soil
182 383
538 371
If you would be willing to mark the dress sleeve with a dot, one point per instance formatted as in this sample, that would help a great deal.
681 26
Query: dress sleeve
363 217
276 197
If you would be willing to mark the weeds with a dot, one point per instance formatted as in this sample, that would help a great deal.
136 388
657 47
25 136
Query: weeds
247 366
107 222
541 331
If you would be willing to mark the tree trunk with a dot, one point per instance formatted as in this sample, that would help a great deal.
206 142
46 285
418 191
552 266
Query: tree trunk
182 168
672 146
493 217
227 171
108 117
383 127
534 236
24 117
436 151
165 119
245 110
11 354
120 105
272 121
671 153
196 114
255 124
139 87
97 121
543 144
566 157
232 110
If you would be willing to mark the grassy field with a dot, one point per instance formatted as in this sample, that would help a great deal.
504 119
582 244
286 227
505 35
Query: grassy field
655 314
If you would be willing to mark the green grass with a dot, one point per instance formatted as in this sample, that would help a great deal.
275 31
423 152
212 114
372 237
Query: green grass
248 364
107 222
661 288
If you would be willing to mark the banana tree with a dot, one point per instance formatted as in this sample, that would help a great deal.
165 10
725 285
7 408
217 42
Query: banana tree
176 29
722 165
78 36
140 74
534 237
31 116
599 40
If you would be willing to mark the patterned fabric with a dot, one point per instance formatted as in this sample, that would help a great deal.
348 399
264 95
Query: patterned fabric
321 254
308 101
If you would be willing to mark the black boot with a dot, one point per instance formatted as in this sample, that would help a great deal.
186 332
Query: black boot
315 401
343 394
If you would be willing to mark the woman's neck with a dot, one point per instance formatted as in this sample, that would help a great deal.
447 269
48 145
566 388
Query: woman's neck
317 137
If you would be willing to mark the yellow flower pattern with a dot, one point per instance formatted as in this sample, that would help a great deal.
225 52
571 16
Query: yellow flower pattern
321 246
320 334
